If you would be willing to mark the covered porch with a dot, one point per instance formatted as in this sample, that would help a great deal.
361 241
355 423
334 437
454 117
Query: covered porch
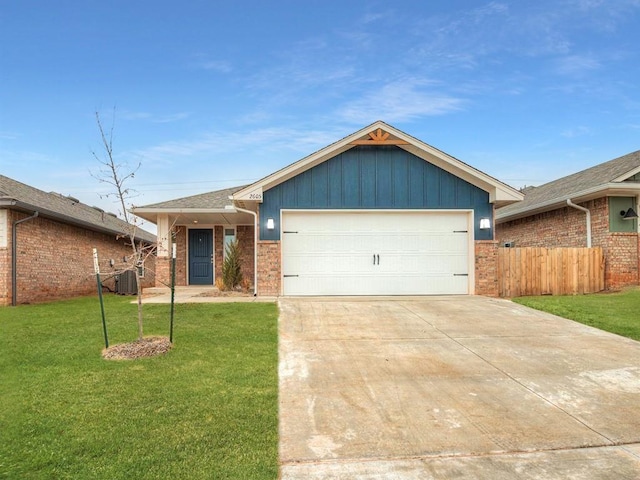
198 236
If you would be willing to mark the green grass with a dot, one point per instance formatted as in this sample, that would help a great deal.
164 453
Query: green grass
207 409
613 312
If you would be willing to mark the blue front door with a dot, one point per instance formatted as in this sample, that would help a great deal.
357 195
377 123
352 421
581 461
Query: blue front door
200 257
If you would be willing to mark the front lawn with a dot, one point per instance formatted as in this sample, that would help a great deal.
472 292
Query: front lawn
614 312
207 409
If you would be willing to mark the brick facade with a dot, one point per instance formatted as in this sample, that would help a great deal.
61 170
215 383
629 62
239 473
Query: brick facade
486 268
244 234
246 242
55 260
566 227
622 260
269 267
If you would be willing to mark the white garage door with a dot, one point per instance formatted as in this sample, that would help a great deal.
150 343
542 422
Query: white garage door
375 252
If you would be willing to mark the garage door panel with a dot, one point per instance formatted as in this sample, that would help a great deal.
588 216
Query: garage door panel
375 253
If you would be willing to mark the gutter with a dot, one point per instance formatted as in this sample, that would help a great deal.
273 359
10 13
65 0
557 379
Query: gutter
586 210
606 189
255 247
14 257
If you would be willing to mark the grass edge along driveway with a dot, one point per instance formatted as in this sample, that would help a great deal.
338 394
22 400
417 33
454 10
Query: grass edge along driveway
617 312
207 409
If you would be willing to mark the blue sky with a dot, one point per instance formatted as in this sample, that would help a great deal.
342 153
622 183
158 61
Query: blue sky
210 94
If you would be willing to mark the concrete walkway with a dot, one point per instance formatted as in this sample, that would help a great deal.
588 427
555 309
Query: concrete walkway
195 294
453 387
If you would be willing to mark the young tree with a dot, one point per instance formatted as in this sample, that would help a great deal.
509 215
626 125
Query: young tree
117 176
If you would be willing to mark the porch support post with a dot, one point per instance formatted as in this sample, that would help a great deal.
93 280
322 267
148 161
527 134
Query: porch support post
163 235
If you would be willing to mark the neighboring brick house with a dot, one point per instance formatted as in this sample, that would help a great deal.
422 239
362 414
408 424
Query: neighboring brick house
376 213
54 237
609 191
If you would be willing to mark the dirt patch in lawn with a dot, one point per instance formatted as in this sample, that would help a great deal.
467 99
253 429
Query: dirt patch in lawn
147 347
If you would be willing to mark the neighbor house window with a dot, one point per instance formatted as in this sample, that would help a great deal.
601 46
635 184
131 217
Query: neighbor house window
229 237
617 207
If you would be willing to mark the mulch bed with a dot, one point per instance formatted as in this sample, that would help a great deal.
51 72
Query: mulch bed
147 347
225 293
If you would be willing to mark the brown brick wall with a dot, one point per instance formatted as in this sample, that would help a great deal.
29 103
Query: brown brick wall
566 227
486 265
55 261
621 266
244 234
246 242
218 248
268 267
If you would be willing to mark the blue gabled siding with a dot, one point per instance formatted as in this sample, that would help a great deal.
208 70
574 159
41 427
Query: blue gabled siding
376 177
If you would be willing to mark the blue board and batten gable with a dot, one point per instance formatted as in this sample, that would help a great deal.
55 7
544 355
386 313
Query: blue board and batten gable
375 177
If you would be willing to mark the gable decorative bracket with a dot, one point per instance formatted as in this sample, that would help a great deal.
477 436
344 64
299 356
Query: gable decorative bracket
379 137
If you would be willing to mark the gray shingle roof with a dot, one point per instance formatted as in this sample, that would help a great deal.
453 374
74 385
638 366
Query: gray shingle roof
217 199
567 187
64 209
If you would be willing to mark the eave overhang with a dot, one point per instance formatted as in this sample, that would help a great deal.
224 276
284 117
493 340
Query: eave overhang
196 216
627 189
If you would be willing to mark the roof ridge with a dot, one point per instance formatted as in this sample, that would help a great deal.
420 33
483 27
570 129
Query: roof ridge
65 208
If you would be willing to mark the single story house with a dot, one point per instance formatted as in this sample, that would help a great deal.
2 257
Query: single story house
47 241
595 207
376 213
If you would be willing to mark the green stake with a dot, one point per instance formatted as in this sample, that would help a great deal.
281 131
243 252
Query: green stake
96 267
173 288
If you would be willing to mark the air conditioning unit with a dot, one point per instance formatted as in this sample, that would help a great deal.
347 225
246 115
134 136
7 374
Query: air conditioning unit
126 283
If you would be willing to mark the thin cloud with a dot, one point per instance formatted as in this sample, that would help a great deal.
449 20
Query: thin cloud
577 132
399 101
204 62
8 136
577 65
154 118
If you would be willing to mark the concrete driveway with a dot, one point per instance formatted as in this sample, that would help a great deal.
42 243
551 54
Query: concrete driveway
453 387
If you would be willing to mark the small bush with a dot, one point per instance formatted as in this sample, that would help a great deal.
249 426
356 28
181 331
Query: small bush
231 272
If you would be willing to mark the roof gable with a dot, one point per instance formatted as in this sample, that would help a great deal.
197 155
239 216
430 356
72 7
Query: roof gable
380 133
617 176
14 194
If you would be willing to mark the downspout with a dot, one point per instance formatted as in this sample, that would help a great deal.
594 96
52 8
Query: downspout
586 210
14 257
255 247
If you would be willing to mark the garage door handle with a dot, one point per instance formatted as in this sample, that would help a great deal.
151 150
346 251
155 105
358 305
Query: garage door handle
378 259
374 258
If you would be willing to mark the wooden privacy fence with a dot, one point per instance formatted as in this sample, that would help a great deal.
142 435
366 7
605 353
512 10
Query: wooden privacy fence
549 271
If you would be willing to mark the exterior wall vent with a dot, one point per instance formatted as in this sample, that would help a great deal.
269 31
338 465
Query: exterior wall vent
509 244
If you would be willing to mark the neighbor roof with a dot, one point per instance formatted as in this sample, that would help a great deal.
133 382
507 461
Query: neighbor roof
212 207
381 133
214 200
17 195
609 178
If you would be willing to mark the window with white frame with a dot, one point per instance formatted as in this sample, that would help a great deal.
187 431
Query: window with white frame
229 237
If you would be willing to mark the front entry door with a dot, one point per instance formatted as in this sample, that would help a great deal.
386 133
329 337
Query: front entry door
200 257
